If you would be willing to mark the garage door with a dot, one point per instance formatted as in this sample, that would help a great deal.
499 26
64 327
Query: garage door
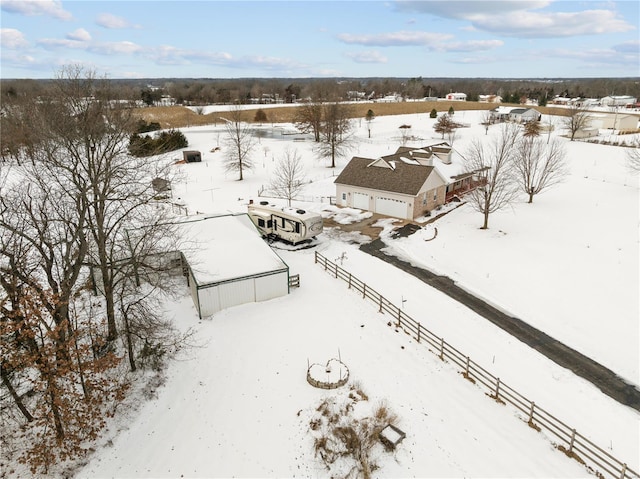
361 201
391 207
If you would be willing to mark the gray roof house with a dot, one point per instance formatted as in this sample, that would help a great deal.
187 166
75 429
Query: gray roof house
407 184
517 114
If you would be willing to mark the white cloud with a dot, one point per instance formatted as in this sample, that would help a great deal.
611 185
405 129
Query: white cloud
116 48
12 39
556 24
518 18
108 20
52 8
80 35
169 55
598 56
468 46
370 56
55 43
401 38
463 9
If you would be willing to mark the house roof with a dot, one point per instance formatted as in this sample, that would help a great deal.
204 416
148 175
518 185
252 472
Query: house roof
401 172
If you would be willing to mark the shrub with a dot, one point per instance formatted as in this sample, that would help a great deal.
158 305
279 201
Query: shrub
163 142
144 127
260 116
433 114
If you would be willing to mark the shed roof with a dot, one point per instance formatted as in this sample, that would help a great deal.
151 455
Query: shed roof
224 248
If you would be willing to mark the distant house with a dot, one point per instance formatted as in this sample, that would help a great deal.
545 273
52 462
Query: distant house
614 121
456 96
489 98
191 156
515 114
390 98
618 100
407 184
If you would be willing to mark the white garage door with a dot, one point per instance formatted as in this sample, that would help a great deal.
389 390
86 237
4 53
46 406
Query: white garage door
361 201
391 207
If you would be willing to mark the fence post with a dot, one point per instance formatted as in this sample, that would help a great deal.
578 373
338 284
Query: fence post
533 405
419 328
349 281
337 270
399 314
623 471
442 349
380 303
497 388
466 369
364 290
573 438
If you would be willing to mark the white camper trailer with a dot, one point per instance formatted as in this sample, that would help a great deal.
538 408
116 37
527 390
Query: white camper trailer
290 224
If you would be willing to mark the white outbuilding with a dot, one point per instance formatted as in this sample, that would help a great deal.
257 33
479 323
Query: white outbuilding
227 263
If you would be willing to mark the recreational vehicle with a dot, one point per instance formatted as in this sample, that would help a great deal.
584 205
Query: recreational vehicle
290 224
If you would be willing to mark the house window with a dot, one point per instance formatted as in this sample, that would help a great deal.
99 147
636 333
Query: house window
435 195
344 196
260 222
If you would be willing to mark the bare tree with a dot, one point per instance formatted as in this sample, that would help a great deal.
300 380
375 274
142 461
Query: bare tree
369 117
633 158
70 202
288 177
308 118
405 134
493 162
578 118
445 124
487 120
335 132
531 129
539 165
240 143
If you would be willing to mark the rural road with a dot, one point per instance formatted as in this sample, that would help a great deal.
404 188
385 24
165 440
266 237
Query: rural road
603 378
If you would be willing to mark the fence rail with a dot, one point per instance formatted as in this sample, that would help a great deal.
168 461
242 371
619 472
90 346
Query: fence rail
569 441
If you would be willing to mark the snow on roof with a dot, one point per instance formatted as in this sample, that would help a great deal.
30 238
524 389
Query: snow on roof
503 109
409 161
227 247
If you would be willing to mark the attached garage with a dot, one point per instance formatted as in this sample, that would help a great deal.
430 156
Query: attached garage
361 200
391 207
228 264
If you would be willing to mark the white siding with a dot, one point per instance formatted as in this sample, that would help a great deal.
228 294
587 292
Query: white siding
237 292
209 301
272 286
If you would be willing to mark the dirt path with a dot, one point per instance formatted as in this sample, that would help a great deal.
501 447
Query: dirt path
603 378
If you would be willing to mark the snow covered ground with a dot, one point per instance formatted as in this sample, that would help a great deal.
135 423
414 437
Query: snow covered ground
567 264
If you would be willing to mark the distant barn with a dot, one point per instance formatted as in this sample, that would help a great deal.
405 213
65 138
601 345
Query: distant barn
191 156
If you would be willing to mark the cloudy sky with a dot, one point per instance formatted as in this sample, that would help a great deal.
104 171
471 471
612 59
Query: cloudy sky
315 38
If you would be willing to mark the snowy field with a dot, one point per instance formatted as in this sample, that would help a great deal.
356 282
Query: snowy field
567 264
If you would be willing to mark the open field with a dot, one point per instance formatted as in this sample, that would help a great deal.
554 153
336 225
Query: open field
180 116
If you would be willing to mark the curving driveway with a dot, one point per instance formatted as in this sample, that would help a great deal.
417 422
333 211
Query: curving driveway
606 380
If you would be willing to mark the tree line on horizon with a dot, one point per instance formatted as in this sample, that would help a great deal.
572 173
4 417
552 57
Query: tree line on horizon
203 91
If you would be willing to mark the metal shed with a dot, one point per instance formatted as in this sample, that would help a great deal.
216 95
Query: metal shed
228 264
191 156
